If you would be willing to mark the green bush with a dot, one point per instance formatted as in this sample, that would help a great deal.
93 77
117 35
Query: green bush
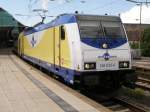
145 43
134 45
134 93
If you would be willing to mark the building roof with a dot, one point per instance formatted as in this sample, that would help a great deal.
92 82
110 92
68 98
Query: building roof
7 20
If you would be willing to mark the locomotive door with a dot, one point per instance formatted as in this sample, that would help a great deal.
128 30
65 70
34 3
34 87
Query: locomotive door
59 35
57 57
20 45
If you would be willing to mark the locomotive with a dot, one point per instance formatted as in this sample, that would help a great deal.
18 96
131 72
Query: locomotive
88 50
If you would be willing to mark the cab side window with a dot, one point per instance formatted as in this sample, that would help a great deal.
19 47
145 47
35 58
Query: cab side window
62 32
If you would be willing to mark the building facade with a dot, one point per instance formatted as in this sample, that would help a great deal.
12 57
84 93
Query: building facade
135 31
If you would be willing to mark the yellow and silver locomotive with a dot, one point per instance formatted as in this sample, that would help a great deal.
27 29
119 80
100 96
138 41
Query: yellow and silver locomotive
91 50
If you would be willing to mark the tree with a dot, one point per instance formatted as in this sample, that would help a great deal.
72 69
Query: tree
145 43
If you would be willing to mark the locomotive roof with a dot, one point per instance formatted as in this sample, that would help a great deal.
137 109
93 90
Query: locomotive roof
98 17
69 18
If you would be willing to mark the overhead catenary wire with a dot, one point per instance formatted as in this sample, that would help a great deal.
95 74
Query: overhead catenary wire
32 15
34 2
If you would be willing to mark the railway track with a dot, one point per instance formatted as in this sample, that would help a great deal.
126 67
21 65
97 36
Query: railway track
132 105
124 104
116 107
143 73
143 83
119 103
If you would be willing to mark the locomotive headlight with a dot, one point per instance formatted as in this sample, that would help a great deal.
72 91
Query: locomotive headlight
105 46
86 66
89 66
124 64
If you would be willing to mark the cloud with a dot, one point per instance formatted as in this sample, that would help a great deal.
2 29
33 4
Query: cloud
63 1
45 4
133 15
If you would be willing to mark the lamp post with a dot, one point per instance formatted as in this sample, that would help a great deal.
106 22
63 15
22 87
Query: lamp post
140 35
140 24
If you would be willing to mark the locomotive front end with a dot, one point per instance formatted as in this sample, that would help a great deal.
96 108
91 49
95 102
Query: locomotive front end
106 57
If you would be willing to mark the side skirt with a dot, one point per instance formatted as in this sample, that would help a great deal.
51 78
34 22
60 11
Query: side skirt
65 73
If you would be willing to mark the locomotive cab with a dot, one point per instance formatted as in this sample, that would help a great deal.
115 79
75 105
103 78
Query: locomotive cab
106 57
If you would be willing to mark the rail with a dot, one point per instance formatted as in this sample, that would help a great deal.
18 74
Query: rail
143 83
132 105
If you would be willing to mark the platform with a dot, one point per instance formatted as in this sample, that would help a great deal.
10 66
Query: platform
25 89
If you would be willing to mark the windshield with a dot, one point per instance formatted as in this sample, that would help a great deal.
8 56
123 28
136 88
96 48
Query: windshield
113 29
101 28
90 29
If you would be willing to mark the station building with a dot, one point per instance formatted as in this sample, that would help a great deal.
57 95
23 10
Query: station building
9 29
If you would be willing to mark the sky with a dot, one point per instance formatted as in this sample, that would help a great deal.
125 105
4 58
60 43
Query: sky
22 10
